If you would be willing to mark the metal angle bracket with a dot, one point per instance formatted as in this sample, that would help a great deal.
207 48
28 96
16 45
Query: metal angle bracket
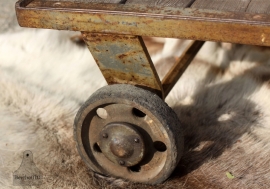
124 59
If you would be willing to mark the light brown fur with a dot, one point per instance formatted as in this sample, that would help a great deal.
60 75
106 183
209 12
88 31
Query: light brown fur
222 101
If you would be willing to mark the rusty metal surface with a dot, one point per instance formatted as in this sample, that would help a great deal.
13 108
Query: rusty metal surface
122 144
123 59
167 3
180 66
205 25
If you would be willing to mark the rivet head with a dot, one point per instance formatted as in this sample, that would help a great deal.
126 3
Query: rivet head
105 135
136 140
121 162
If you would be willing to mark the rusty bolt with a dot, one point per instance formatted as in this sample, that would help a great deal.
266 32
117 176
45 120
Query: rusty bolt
121 162
105 135
136 140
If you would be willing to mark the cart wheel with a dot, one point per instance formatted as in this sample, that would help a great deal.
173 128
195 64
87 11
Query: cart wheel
128 132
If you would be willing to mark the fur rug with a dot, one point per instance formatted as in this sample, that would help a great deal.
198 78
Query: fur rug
222 101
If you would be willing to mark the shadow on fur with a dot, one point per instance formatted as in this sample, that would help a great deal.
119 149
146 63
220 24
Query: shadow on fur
211 128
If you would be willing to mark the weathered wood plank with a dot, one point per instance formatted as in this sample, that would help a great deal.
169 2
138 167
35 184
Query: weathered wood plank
259 6
102 1
167 3
91 1
224 5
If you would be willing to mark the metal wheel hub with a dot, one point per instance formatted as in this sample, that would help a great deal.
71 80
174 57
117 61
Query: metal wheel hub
122 144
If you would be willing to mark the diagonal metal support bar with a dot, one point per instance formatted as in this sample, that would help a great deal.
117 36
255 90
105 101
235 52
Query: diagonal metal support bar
179 67
124 59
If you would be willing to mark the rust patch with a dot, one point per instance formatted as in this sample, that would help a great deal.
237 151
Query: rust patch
129 54
95 49
122 56
123 59
114 76
145 66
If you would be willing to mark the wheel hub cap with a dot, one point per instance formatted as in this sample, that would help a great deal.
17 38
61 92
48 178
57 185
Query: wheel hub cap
122 144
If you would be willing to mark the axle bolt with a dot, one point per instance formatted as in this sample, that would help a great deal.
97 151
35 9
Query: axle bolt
136 140
121 162
105 135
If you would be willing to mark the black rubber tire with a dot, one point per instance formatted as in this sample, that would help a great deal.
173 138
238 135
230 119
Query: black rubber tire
129 94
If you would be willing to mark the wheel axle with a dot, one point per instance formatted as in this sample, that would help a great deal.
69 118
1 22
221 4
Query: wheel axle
121 144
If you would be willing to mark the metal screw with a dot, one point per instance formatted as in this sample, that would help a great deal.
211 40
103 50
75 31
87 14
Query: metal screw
105 135
136 140
121 162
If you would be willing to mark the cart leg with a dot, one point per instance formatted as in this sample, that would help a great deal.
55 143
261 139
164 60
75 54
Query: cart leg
179 67
124 59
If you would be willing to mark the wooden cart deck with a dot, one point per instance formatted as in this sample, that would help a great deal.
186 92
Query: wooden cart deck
236 21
